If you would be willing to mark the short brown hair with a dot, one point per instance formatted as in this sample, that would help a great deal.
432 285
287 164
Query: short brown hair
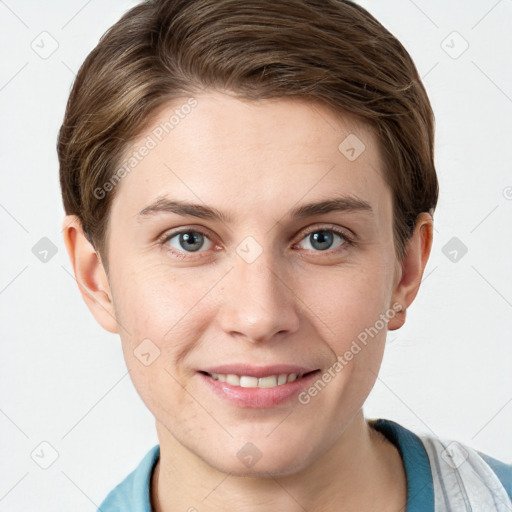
332 51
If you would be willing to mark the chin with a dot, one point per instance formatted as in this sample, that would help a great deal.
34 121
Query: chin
270 462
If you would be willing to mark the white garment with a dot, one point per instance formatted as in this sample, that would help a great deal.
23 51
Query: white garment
463 481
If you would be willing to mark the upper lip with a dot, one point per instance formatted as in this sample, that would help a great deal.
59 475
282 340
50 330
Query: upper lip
258 371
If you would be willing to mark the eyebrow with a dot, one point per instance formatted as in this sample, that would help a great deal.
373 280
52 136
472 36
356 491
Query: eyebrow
336 204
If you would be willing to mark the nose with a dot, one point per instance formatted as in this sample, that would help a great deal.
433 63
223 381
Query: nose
258 304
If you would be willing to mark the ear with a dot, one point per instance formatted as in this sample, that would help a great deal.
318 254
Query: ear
410 270
89 273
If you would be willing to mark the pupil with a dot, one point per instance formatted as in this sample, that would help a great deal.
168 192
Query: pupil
187 241
321 240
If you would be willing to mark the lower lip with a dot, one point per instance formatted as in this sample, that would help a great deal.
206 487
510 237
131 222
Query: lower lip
258 398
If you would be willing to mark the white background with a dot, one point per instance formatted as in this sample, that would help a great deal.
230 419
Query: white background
63 379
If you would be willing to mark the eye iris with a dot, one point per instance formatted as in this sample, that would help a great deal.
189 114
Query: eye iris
191 241
321 240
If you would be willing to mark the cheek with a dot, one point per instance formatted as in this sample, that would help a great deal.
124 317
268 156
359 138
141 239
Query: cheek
351 309
149 298
159 313
168 306
348 301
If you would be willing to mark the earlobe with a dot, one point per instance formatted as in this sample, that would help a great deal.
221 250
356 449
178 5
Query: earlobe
410 271
89 273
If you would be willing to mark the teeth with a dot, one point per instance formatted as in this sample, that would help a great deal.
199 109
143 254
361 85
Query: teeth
234 380
282 379
245 381
248 382
267 382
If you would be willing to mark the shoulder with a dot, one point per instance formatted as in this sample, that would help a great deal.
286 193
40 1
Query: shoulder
133 493
503 471
450 472
463 475
420 489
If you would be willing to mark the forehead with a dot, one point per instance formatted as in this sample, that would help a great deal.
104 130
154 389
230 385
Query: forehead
245 156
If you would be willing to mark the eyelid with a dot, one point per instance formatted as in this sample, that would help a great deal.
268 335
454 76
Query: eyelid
167 235
345 233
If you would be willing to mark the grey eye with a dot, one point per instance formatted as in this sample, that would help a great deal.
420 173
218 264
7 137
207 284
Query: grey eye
324 239
189 241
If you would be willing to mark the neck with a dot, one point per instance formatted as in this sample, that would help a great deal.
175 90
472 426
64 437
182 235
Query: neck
362 471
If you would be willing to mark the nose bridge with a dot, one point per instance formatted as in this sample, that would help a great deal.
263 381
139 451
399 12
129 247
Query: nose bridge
256 303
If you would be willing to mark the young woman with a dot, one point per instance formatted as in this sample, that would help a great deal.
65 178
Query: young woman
249 188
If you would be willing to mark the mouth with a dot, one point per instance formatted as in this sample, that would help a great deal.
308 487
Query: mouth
256 387
266 382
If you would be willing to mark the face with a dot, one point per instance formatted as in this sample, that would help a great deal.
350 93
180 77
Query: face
248 248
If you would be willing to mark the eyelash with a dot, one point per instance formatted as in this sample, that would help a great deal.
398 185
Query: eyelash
349 240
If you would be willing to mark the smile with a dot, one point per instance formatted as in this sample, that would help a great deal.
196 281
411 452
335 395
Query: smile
257 388
246 381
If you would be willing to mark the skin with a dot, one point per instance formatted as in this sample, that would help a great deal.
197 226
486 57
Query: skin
296 304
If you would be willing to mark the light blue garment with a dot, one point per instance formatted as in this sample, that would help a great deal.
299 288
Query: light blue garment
428 494
133 493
